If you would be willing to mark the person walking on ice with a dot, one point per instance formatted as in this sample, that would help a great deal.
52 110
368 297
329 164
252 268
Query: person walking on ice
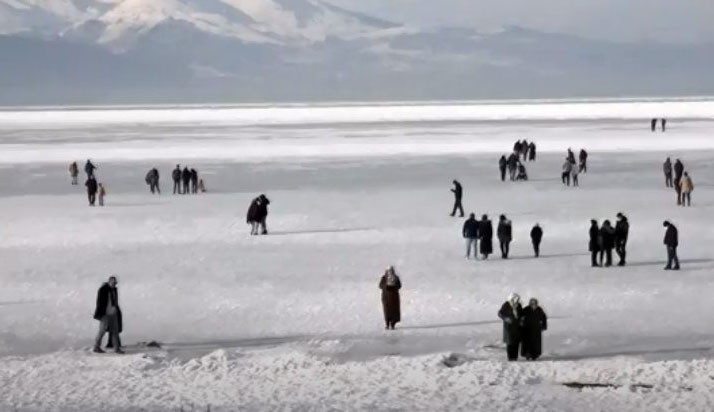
678 170
536 237
89 168
667 168
470 233
73 172
108 313
91 186
687 188
458 192
485 236
102 193
504 232
511 313
671 241
390 284
535 322
583 157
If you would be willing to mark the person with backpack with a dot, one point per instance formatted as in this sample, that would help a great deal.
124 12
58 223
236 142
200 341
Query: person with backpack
536 237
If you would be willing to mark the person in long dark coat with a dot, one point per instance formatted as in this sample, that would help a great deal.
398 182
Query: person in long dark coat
470 233
108 313
186 178
511 314
667 168
607 243
391 306
571 157
524 149
253 216
532 152
664 124
653 124
583 157
89 168
458 192
176 176
152 179
594 244
92 188
504 232
502 164
512 162
536 237
678 171
671 241
263 214
194 181
622 232
485 236
534 323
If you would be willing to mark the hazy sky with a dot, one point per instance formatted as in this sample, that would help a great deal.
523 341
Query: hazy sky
620 20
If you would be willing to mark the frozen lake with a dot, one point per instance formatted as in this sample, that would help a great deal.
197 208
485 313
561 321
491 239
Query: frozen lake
353 189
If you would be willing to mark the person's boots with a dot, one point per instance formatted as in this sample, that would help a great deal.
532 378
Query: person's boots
97 350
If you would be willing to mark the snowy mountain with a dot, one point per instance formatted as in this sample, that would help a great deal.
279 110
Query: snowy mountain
228 50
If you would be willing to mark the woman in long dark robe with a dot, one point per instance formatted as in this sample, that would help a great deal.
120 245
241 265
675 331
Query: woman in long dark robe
511 313
534 323
485 233
390 285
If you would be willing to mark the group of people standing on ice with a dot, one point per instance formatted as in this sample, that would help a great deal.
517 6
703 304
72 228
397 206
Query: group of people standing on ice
523 327
185 181
571 169
682 182
479 236
512 163
95 190
606 238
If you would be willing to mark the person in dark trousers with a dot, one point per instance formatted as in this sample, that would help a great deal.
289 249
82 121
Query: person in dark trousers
186 178
485 236
517 147
687 186
524 149
535 322
671 241
176 176
664 124
390 285
504 232
194 181
263 214
571 156
567 171
594 245
108 313
536 237
653 124
522 174
253 218
607 243
73 172
667 167
89 168
152 179
458 192
92 188
511 314
678 171
622 231
470 233
583 157
532 152
513 161
502 164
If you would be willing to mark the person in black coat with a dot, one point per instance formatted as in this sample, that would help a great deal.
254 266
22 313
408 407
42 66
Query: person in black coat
91 185
622 231
176 176
504 232
502 164
532 152
512 163
186 178
253 217
194 181
89 168
458 192
671 241
535 322
678 171
470 233
571 156
664 124
152 179
263 214
583 157
653 124
391 306
485 236
108 313
667 168
511 313
607 243
536 237
594 245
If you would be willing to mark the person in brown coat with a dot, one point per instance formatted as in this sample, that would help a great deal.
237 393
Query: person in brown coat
390 285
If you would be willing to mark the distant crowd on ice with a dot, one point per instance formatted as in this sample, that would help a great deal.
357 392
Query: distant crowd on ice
522 327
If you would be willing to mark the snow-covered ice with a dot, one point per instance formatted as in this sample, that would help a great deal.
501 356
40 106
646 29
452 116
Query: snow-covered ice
292 321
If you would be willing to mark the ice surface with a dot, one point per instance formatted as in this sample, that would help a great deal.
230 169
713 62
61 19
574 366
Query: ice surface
293 319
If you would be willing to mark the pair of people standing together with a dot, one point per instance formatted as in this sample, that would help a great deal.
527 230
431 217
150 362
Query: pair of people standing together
523 328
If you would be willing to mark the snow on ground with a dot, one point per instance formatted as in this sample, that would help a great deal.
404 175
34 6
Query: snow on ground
292 321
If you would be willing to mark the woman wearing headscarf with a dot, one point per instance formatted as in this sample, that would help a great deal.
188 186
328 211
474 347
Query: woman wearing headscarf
511 314
534 323
390 285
